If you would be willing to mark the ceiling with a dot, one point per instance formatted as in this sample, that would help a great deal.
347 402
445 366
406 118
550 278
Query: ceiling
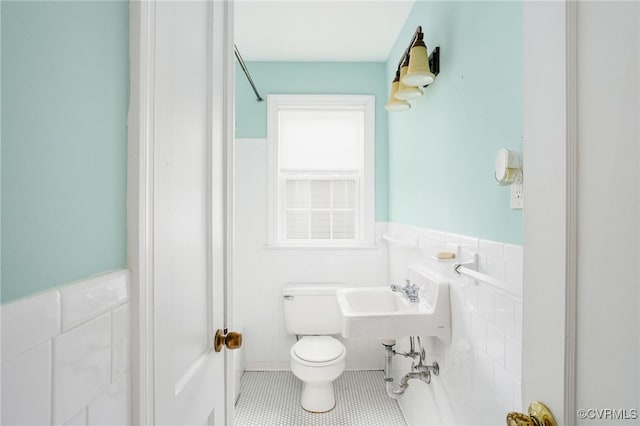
315 30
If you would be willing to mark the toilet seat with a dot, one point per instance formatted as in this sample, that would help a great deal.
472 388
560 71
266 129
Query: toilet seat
318 349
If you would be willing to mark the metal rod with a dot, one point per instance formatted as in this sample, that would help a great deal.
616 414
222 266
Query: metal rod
246 72
479 276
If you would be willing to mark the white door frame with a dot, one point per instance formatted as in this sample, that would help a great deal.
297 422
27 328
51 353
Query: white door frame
140 205
550 217
550 256
142 34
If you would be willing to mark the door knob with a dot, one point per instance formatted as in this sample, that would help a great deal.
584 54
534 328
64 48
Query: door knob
232 340
539 415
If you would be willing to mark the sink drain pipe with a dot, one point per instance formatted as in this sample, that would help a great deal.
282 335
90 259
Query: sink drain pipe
418 371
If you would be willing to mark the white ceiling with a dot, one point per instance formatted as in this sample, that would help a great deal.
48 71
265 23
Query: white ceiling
315 30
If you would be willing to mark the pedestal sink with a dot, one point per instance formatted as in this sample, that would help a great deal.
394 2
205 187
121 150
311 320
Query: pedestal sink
380 313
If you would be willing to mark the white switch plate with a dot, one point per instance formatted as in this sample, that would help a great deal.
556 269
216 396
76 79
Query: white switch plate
517 196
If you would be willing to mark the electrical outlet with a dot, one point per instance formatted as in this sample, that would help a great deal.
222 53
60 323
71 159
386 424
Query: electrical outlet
517 196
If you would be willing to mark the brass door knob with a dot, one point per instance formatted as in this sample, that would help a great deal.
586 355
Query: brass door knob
232 340
539 415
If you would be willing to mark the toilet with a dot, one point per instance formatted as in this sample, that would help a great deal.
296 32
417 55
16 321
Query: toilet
311 312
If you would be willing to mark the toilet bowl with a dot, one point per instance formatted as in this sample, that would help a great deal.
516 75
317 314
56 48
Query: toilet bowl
312 313
317 361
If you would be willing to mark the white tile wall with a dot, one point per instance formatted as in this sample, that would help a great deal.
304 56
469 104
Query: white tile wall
121 341
66 351
28 322
481 369
91 297
26 387
79 419
113 406
82 366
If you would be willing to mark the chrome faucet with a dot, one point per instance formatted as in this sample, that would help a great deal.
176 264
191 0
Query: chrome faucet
412 291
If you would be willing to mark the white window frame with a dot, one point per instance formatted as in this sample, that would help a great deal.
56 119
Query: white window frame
365 230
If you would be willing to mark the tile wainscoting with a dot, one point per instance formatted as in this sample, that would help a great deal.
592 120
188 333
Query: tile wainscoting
66 355
480 371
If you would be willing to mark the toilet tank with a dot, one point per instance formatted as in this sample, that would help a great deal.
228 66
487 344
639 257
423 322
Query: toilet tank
311 309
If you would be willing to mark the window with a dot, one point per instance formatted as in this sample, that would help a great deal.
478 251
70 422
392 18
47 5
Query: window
321 170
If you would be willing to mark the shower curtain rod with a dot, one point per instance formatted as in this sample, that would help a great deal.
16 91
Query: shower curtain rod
246 72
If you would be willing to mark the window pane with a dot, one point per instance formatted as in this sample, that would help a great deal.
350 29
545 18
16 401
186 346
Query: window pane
320 139
320 193
344 194
297 193
297 225
321 225
344 226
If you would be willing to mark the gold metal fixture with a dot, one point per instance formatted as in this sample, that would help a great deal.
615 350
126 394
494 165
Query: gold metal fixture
539 415
232 340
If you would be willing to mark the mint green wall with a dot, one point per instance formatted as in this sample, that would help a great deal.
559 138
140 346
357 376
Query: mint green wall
350 78
65 77
442 151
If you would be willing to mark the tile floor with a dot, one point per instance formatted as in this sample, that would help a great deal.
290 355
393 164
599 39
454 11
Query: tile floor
273 398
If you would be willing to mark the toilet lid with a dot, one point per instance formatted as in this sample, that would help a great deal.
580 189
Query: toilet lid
318 348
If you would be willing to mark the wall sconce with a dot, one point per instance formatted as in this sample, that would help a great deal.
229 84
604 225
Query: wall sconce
415 69
508 172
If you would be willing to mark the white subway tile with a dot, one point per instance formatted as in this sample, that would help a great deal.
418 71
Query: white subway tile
514 258
92 297
471 296
435 236
79 419
82 366
505 314
513 252
26 387
453 239
482 264
504 384
514 277
491 249
29 322
518 322
486 303
469 243
513 358
517 396
464 333
479 331
113 406
495 268
121 340
484 367
495 344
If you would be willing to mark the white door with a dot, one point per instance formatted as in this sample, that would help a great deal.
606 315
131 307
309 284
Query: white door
545 213
581 179
183 49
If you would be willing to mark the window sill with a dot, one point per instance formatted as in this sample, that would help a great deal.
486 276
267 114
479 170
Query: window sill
320 247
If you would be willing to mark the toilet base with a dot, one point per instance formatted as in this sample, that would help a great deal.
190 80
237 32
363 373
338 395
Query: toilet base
318 397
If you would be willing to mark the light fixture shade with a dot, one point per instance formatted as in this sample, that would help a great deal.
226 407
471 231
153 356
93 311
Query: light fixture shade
395 104
418 73
407 92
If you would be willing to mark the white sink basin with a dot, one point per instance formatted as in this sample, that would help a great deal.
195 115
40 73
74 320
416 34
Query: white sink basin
380 313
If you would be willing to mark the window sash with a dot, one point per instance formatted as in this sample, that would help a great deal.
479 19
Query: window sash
365 215
332 211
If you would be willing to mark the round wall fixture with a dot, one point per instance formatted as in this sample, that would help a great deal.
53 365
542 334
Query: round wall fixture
508 168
